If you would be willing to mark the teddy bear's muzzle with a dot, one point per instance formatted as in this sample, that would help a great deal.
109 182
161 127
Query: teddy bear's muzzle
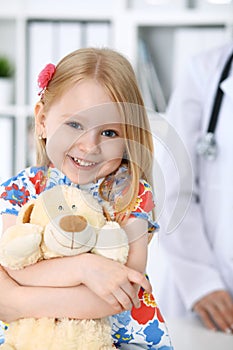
69 235
73 223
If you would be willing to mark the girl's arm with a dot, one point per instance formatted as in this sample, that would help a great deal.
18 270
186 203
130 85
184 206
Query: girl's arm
109 280
77 269
137 232
74 302
124 286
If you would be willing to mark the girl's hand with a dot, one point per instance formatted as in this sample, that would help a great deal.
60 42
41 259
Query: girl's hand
115 283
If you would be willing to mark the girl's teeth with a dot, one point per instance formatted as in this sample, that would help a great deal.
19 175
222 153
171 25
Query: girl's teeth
82 162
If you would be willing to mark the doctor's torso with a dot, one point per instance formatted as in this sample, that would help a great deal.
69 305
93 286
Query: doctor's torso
215 178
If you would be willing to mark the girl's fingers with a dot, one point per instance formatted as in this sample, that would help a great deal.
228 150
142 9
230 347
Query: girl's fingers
114 302
123 299
139 279
131 291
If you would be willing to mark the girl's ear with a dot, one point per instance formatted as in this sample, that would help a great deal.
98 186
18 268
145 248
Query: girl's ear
40 120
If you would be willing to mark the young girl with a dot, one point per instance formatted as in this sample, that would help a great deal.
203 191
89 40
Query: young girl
92 132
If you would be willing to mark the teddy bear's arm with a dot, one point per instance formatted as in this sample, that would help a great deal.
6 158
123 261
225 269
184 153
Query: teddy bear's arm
20 245
112 242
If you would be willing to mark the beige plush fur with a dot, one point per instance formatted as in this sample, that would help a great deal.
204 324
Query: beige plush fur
62 221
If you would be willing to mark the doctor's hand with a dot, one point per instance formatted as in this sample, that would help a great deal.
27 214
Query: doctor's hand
216 311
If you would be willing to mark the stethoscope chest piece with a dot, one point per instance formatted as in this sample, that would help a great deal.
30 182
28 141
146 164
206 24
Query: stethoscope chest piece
207 146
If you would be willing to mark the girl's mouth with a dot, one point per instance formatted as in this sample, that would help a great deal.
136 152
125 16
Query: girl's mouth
83 163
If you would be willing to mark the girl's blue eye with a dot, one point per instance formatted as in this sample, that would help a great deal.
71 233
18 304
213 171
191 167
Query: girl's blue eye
74 125
109 133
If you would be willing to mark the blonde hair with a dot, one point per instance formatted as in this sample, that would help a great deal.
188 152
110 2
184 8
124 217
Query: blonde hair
114 72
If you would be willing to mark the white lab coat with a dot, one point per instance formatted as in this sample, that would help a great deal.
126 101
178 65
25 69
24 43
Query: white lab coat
199 253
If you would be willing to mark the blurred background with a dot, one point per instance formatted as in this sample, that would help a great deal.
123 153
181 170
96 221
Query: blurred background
157 36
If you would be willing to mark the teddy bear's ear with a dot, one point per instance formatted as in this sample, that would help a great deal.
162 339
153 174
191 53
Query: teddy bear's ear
25 212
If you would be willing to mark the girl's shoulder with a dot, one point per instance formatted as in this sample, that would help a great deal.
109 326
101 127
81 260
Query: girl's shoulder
19 189
145 197
144 205
122 182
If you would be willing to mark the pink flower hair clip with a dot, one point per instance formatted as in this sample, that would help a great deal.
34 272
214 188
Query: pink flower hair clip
44 77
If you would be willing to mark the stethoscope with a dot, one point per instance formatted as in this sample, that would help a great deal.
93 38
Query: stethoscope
207 145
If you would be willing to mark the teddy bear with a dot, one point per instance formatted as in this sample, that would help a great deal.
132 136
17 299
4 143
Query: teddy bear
61 221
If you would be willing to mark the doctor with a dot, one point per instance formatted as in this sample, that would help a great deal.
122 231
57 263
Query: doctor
199 251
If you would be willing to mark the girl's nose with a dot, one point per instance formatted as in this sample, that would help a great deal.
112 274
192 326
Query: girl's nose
89 142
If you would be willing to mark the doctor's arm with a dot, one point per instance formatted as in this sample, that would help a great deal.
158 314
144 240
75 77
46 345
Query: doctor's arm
188 250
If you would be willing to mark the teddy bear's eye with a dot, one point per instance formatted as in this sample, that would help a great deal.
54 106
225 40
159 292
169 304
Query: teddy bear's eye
60 207
73 206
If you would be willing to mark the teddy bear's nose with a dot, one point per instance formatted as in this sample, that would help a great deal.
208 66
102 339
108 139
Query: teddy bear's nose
73 223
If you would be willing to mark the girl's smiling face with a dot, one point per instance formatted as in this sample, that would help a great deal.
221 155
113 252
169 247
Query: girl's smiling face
83 131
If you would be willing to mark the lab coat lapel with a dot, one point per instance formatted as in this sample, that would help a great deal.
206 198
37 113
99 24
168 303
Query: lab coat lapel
227 86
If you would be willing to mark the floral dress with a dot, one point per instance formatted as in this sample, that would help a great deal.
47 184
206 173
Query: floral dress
141 328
